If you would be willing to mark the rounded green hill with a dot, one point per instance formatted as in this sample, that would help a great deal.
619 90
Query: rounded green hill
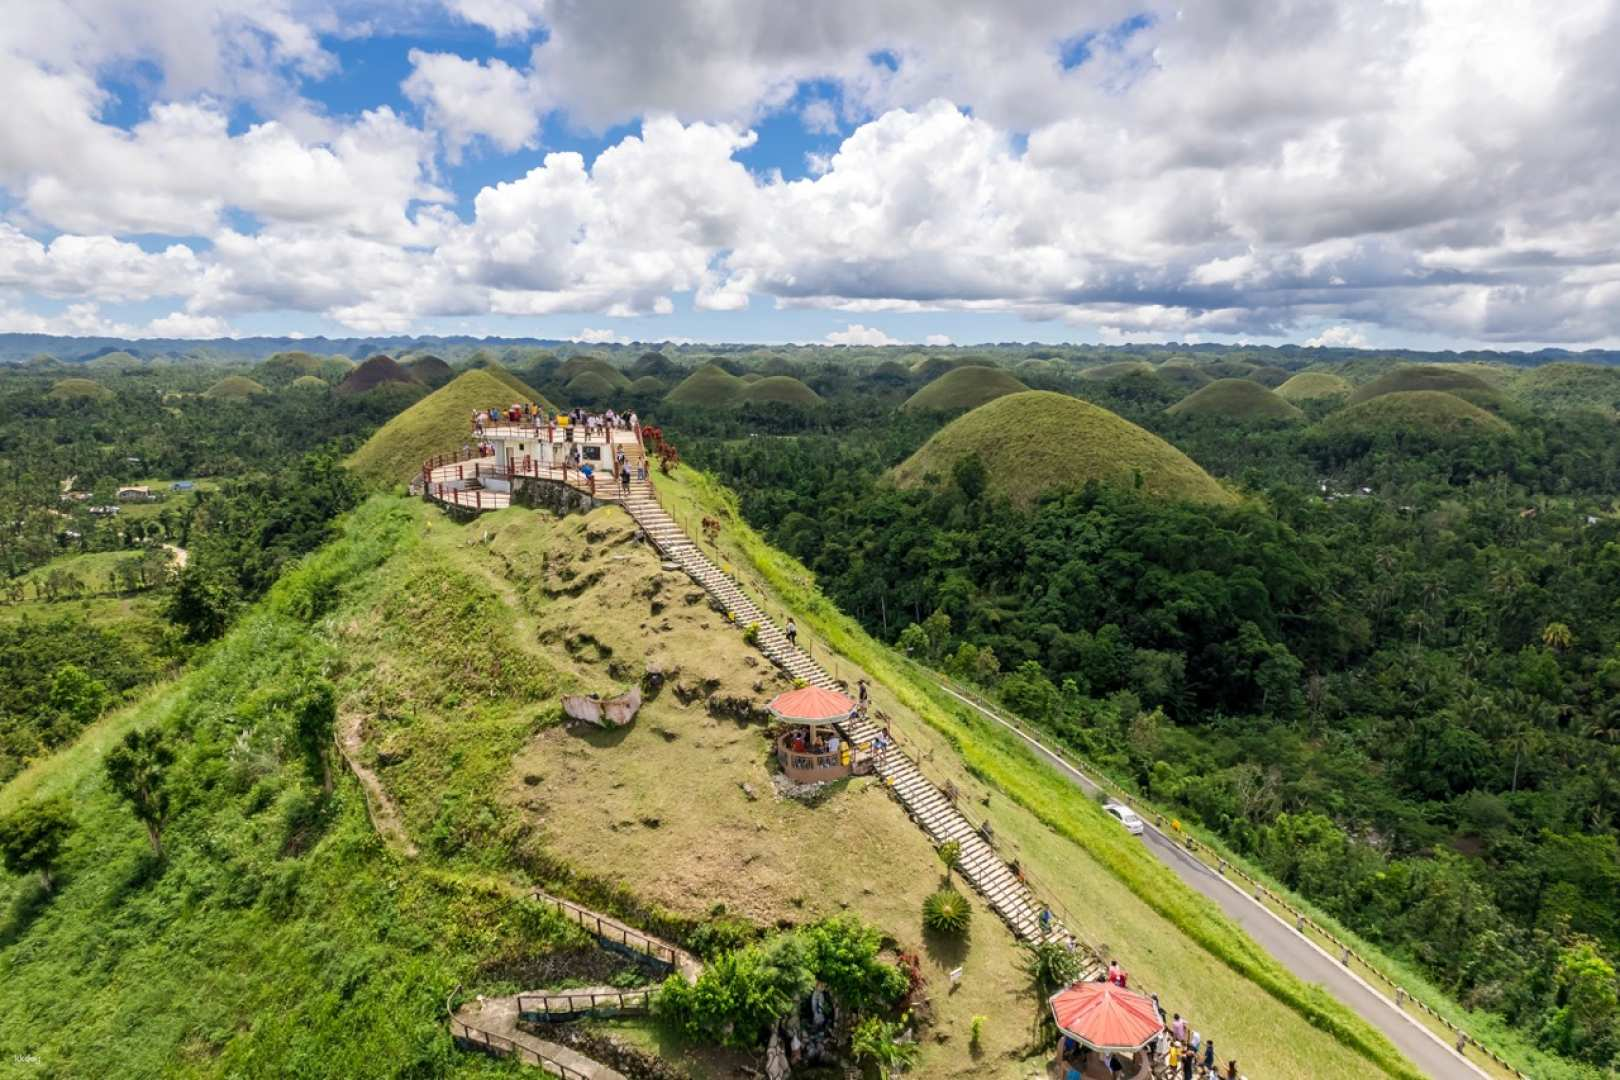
375 372
308 383
648 385
710 386
1113 371
1036 441
932 366
516 388
429 370
589 388
1427 377
1230 369
235 387
1310 385
114 361
1570 386
439 423
1268 376
963 388
1184 376
779 390
79 390
580 365
1236 399
1433 413
284 367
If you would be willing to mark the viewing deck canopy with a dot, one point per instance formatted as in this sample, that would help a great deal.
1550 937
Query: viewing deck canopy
812 705
806 755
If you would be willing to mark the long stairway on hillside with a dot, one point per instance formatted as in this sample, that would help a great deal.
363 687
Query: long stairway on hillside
927 804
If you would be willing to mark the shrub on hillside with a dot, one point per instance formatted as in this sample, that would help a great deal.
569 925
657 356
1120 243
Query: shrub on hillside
947 912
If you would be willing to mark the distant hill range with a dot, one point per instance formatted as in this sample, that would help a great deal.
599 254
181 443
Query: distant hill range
19 348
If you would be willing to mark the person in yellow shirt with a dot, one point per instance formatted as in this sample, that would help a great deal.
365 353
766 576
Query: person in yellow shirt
1174 1056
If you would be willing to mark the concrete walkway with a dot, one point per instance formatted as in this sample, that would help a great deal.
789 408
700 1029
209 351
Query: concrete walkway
1422 1047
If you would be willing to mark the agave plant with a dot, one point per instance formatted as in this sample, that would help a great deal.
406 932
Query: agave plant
947 912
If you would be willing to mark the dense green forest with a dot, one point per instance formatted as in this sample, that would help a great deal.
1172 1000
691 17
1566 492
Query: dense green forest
1391 675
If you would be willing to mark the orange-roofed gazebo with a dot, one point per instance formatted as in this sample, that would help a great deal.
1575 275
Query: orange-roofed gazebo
807 755
1110 1019
812 705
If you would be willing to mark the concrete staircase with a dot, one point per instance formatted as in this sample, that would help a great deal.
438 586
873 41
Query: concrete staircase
927 805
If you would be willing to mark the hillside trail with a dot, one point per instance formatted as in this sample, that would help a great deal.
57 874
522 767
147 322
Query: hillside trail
384 814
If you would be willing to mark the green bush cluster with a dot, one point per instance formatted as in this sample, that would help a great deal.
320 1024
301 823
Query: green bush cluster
741 993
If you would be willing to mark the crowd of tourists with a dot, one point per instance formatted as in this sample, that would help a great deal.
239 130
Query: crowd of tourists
534 415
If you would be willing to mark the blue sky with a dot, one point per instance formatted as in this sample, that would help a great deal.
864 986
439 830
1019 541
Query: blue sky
870 171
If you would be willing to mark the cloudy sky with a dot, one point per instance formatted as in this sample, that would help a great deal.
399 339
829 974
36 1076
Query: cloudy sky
1378 172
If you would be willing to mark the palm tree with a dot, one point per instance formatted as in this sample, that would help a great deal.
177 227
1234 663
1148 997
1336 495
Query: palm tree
1557 636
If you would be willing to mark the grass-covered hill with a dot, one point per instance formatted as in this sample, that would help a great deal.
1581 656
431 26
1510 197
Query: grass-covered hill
779 390
647 385
1268 375
710 386
1567 386
1184 376
1431 413
588 388
79 390
963 388
1237 399
289 931
235 388
930 366
377 371
1038 441
579 365
114 363
516 388
429 370
1103 372
438 423
1230 369
284 367
1310 385
1439 377
309 384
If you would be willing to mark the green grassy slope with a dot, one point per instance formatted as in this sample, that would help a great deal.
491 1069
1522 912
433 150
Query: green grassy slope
1114 890
1237 399
1116 369
711 386
1430 412
1570 387
439 423
79 390
579 365
235 387
963 388
1309 385
780 390
374 372
280 937
1411 377
588 388
1038 440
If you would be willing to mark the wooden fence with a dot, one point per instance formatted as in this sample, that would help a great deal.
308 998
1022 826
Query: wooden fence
614 933
566 1005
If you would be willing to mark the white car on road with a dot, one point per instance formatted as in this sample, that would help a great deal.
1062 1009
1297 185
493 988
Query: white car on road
1127 817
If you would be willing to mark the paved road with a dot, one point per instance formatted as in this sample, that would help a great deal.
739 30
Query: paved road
1421 1046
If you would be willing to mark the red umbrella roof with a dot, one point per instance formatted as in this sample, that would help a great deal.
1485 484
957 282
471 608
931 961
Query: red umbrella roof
812 705
1106 1017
